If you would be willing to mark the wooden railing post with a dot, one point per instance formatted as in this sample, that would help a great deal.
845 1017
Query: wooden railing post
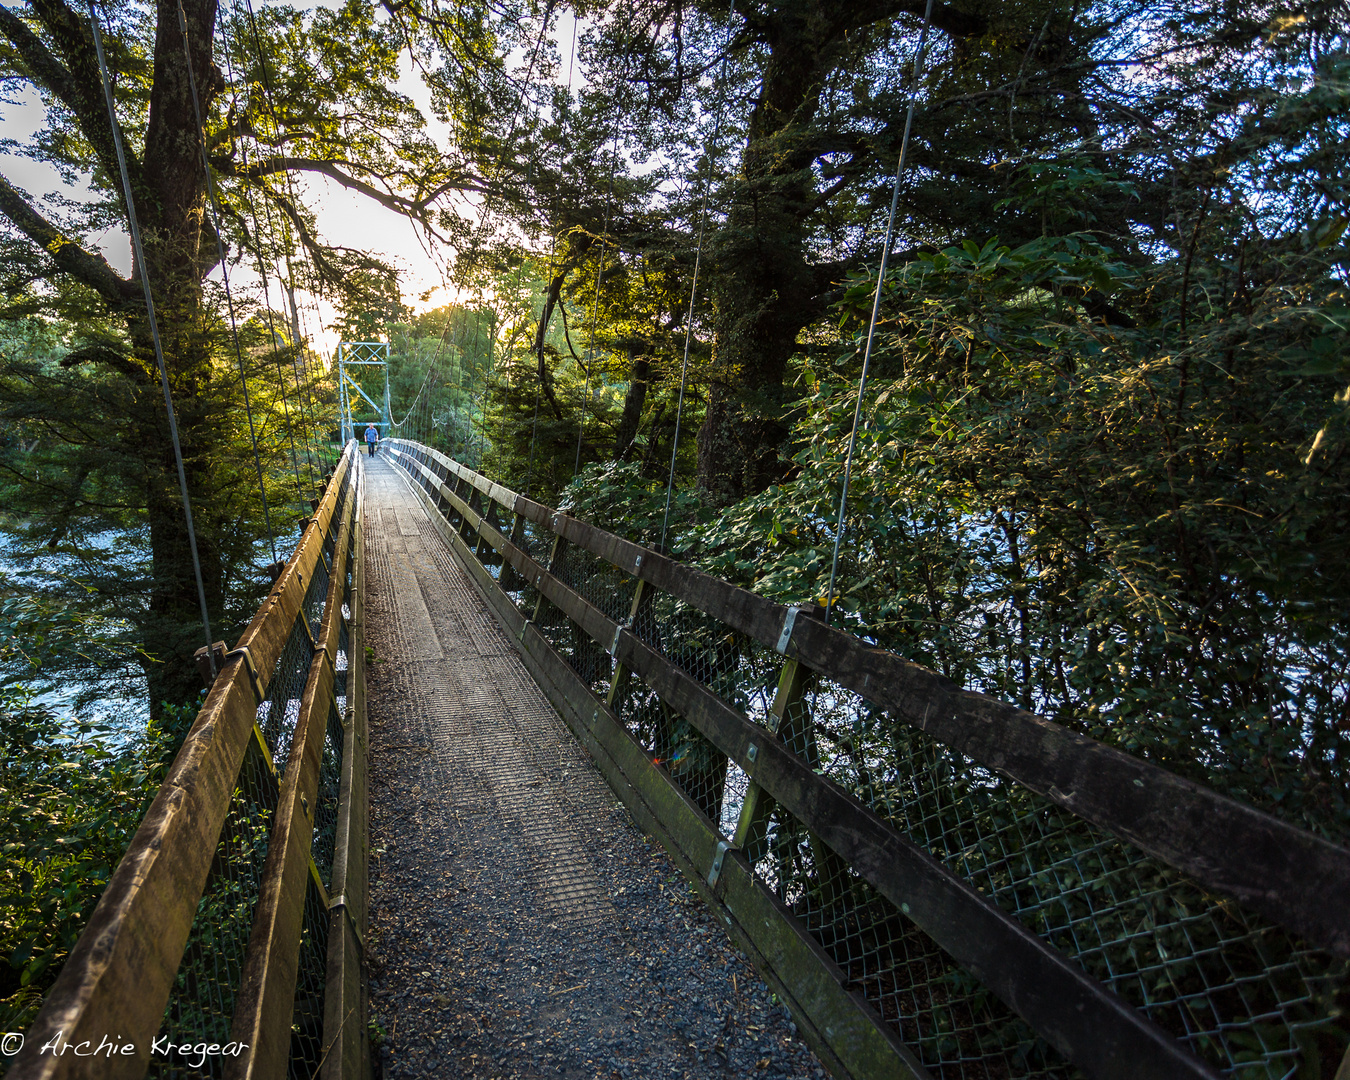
618 685
492 519
790 721
752 827
508 579
469 494
555 557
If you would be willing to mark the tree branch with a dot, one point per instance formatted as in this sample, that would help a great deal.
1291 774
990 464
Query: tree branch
76 83
320 253
950 20
401 204
85 266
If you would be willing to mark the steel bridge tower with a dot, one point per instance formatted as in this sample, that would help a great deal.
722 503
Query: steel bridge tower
361 354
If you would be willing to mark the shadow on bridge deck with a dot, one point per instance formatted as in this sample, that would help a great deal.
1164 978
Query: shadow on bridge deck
521 926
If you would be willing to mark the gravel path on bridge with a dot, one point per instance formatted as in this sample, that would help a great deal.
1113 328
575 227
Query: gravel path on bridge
521 925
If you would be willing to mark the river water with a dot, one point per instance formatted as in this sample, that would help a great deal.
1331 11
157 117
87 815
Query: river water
118 699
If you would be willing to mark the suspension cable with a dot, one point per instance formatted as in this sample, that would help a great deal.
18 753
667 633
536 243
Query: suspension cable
297 356
599 277
484 214
693 284
298 360
154 325
539 385
225 273
876 308
595 304
477 342
482 395
267 305
425 379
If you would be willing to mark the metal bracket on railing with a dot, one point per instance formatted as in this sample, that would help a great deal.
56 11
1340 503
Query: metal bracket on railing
614 645
789 621
716 872
210 661
254 678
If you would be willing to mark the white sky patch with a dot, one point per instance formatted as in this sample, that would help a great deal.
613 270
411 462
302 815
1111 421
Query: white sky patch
21 117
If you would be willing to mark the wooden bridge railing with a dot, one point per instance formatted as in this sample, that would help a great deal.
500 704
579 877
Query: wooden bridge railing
228 940
936 882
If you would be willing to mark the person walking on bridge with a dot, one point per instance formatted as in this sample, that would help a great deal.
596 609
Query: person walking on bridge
372 437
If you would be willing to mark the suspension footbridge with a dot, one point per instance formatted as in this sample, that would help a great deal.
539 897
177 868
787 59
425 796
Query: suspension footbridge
487 790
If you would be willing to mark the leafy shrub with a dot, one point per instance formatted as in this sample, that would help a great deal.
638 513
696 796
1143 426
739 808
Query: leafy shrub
71 797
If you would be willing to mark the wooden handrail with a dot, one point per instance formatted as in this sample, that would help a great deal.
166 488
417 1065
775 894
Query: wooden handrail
118 977
262 1015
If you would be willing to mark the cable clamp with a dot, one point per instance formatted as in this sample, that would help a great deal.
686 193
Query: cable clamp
614 645
254 679
789 621
716 872
339 903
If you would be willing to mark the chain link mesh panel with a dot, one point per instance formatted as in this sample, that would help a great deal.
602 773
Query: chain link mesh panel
316 592
952 1023
587 658
326 796
342 662
714 654
311 977
536 541
277 715
201 1004
1240 991
598 582
675 746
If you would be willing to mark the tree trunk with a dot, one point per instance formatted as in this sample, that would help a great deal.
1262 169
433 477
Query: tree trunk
179 251
633 401
767 287
764 288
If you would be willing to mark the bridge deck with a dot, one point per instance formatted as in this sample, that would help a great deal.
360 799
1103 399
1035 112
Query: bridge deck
521 925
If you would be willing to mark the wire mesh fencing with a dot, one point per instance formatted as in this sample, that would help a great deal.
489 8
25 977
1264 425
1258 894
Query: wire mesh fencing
201 1003
279 712
1240 992
1243 993
326 803
227 835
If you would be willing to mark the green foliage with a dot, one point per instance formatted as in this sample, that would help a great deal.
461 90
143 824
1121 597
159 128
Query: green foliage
617 493
611 355
71 796
439 363
72 790
1132 528
79 485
